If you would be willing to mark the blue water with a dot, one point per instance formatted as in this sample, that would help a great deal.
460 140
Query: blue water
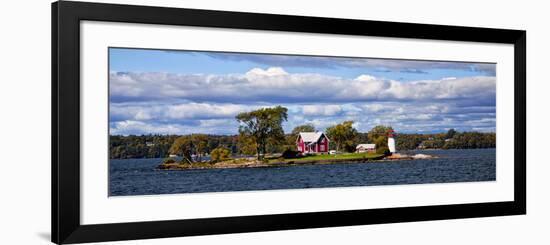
139 176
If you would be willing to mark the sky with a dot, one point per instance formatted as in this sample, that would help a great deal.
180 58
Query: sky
184 92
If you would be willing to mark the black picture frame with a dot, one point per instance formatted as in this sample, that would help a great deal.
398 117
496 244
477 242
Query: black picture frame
66 17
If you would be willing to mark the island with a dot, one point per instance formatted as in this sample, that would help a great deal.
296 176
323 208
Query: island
261 129
275 161
262 142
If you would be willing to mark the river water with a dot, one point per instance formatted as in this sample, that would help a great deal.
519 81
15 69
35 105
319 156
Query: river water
139 176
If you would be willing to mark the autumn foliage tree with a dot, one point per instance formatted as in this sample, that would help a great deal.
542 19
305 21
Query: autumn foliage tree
293 136
263 126
219 154
379 136
303 128
200 143
246 144
343 135
182 146
189 145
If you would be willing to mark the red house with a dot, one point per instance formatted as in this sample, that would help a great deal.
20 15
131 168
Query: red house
312 142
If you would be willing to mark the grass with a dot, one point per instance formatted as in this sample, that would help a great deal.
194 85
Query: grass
348 156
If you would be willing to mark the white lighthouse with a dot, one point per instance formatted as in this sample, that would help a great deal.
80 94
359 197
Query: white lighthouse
391 142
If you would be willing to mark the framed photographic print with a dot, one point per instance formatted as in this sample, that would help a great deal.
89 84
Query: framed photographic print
177 122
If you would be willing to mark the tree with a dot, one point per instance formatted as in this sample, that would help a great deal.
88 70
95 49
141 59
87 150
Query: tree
200 143
382 145
379 130
219 154
433 143
379 136
450 134
468 140
246 144
189 145
183 146
303 128
409 141
293 136
140 146
263 125
343 135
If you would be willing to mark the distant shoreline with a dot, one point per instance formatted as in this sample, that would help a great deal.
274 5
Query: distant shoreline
404 150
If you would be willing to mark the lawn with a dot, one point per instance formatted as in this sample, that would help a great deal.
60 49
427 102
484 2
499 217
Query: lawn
339 156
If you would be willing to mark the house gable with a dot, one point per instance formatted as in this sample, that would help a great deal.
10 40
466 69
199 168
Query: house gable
312 142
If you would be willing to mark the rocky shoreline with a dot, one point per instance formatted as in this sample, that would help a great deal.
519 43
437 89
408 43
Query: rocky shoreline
289 162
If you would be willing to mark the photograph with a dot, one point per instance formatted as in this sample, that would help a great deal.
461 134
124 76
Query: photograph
190 121
170 121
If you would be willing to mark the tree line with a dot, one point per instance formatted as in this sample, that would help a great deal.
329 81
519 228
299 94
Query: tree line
158 146
449 140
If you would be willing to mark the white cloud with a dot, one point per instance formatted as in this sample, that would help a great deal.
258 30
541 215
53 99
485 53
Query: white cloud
275 85
321 110
328 62
270 72
365 78
137 127
203 110
139 111
217 122
179 104
192 117
128 127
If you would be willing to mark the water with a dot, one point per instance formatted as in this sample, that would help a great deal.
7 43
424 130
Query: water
139 177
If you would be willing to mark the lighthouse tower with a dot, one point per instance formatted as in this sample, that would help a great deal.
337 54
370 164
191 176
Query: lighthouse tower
391 141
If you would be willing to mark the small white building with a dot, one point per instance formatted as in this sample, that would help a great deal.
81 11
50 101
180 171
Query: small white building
365 148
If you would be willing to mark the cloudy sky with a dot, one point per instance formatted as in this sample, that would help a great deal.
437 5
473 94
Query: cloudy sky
182 92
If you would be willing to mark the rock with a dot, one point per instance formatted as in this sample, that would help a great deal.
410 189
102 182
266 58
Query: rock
397 156
421 156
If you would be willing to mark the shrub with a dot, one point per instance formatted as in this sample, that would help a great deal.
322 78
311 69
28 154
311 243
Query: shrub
288 154
169 160
219 154
383 150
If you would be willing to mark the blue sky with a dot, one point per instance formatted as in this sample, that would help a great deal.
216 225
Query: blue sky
181 92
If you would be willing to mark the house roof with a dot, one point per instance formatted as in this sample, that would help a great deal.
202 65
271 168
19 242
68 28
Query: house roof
366 146
308 137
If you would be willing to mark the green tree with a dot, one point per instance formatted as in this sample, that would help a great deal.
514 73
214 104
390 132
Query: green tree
200 143
263 125
433 143
381 145
246 144
183 146
468 140
409 141
450 134
303 128
379 131
219 154
293 136
343 135
379 136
